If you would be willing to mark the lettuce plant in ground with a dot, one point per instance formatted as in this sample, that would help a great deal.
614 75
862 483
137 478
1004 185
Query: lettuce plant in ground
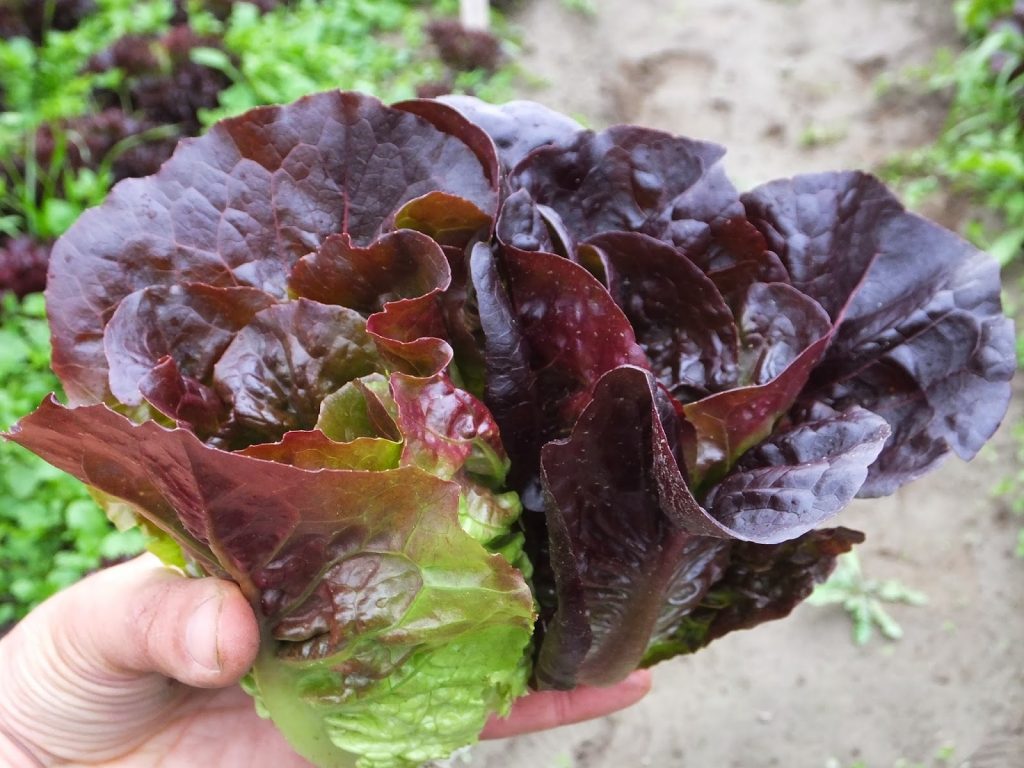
463 396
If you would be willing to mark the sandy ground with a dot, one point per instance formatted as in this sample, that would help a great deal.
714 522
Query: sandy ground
792 87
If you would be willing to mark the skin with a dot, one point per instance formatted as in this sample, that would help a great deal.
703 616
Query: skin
138 666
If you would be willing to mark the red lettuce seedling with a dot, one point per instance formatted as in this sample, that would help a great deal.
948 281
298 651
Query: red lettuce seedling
333 350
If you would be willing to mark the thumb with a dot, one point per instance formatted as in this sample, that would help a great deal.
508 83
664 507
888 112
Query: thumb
95 658
140 617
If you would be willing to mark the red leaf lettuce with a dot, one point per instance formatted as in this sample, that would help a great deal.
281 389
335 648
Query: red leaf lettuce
333 350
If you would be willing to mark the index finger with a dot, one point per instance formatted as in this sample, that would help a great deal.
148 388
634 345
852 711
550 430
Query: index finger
549 709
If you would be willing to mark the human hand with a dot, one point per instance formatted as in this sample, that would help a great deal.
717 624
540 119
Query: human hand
137 666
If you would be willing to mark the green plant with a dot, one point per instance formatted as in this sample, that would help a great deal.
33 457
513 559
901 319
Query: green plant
311 45
586 7
814 136
976 16
45 200
863 599
51 532
47 85
48 82
980 153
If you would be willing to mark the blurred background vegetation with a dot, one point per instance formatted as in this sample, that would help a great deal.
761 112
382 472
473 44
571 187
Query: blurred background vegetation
95 91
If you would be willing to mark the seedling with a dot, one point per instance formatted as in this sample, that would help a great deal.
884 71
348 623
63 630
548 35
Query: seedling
863 599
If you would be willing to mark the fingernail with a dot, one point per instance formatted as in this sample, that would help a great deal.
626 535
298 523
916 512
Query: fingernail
201 634
641 680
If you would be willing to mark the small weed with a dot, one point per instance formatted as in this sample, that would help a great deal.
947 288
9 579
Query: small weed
863 599
946 753
586 7
814 136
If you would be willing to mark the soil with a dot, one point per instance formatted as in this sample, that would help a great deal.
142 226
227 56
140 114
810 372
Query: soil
790 87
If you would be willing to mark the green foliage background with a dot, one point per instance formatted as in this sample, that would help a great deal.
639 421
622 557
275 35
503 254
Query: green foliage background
51 531
980 153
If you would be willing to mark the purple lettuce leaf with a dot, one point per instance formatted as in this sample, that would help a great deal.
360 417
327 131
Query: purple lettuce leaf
446 428
447 219
511 391
729 423
803 475
776 324
628 179
613 550
809 221
192 323
680 319
920 339
184 400
732 252
522 228
410 335
452 122
402 281
462 322
517 128
241 205
399 265
631 549
279 368
569 349
760 583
